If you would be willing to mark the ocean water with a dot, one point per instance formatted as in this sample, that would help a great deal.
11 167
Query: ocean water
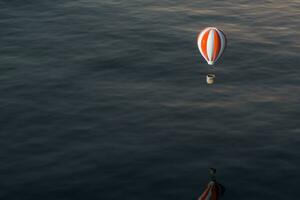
106 99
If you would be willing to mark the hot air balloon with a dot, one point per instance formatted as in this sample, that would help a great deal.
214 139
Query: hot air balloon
211 43
214 190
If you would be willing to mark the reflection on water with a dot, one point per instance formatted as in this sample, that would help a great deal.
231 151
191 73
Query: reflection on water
108 100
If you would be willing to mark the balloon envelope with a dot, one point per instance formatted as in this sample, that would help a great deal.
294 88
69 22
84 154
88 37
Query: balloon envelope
211 43
213 191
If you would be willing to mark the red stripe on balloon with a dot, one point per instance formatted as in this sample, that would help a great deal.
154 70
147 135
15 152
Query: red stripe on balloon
217 45
204 43
205 193
215 192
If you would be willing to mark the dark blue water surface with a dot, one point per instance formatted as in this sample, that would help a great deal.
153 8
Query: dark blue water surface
106 99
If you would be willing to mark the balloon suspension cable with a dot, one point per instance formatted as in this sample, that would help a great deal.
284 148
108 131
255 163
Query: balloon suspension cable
212 173
212 70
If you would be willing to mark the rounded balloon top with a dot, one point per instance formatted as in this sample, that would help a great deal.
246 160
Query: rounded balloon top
211 43
213 191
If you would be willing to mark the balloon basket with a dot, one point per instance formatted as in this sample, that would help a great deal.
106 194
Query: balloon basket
210 79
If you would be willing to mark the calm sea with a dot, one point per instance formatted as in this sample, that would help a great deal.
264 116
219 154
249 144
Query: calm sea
107 99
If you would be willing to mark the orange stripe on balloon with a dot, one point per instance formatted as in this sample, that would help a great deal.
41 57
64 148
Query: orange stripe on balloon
204 44
205 193
217 45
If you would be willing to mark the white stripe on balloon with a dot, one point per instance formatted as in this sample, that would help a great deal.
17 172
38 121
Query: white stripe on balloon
210 44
